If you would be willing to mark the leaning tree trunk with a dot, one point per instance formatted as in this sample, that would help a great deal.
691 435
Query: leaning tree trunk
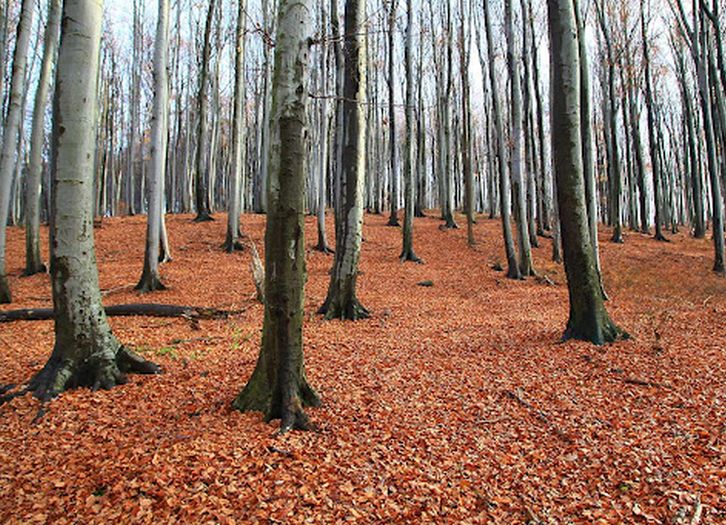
86 353
239 132
11 132
513 271
150 279
588 320
407 253
341 301
515 162
278 387
202 166
33 261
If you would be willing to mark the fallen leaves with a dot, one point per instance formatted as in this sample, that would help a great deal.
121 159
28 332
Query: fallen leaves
414 427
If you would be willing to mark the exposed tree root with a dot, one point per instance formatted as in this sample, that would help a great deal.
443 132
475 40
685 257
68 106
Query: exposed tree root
409 255
351 310
149 283
203 217
324 248
599 332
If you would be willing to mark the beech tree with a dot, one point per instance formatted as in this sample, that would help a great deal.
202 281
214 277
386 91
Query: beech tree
278 387
86 352
342 301
588 318
11 130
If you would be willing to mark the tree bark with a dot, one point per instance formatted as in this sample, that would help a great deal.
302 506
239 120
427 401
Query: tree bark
278 387
86 353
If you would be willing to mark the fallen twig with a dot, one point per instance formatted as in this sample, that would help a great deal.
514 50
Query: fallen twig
119 310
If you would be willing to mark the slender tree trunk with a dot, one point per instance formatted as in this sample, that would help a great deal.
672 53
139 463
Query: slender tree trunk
86 353
239 135
11 133
322 244
513 269
278 387
342 301
393 219
588 319
33 261
407 253
515 161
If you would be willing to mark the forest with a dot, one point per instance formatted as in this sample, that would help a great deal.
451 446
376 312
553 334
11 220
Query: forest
362 261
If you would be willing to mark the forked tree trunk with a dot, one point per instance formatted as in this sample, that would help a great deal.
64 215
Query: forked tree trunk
278 387
11 132
588 319
33 261
341 301
86 353
150 279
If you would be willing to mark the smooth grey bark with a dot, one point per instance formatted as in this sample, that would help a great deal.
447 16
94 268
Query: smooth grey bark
33 260
513 269
278 386
530 154
239 135
446 170
150 278
322 190
588 318
515 140
466 161
86 353
341 301
395 199
407 252
653 142
11 133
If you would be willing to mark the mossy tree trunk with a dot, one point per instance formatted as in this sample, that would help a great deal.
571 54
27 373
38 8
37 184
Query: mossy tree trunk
86 353
278 387
342 301
588 318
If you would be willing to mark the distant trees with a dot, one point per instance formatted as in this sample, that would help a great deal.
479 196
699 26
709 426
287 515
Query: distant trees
278 387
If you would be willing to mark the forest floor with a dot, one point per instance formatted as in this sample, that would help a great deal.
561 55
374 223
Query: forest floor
454 403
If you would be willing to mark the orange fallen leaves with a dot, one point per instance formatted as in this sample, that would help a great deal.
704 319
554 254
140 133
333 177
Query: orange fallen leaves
414 427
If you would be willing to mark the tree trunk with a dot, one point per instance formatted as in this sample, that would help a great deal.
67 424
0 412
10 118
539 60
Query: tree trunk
86 353
278 387
393 219
588 319
407 253
341 301
11 133
33 261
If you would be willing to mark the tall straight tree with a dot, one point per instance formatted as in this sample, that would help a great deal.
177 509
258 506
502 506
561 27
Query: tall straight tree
515 139
86 353
393 219
407 253
11 130
505 202
150 279
33 261
588 319
341 301
278 387
239 132
204 213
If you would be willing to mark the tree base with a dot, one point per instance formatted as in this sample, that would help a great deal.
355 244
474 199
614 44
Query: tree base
660 237
257 396
350 310
409 255
449 224
149 283
96 372
324 248
203 217
5 296
599 332
231 246
393 221
34 268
